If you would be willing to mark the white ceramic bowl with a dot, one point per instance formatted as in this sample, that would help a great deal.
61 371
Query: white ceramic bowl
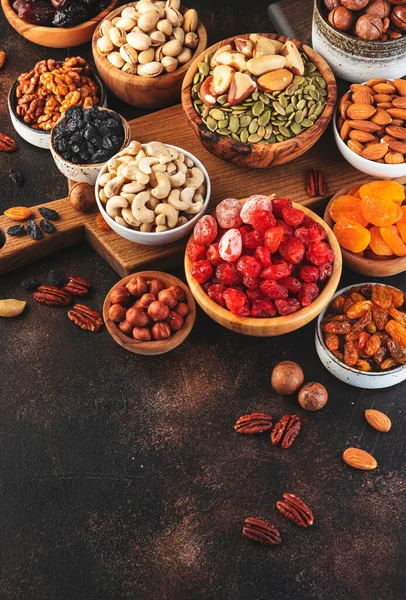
370 167
162 237
368 380
38 137
86 173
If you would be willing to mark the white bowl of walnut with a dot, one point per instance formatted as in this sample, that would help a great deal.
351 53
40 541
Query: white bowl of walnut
153 193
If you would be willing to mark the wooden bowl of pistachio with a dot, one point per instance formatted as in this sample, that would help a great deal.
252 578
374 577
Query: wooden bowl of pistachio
259 100
143 50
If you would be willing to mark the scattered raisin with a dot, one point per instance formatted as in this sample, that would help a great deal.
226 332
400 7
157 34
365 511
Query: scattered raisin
16 177
16 230
30 284
34 231
47 226
55 278
49 214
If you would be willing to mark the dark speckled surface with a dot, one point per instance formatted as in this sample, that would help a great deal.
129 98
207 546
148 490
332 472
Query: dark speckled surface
121 476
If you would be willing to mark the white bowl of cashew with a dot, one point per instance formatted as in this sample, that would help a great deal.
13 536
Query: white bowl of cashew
151 193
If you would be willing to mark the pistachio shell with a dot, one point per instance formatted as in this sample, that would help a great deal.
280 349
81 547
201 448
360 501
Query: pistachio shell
148 20
146 56
126 23
117 36
104 45
190 20
172 48
151 69
169 63
116 59
129 54
139 41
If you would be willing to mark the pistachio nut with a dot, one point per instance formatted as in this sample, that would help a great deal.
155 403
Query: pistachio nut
129 12
165 26
116 59
151 69
184 56
178 34
172 48
104 45
126 23
117 36
157 38
139 41
129 68
190 20
146 56
174 16
129 54
169 63
148 20
191 40
105 26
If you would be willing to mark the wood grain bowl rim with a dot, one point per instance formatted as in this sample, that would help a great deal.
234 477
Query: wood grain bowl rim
306 139
288 322
351 258
129 78
157 346
342 364
22 27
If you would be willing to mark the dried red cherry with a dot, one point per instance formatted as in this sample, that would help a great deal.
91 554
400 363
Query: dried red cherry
202 270
319 253
291 283
292 216
273 289
263 309
263 255
307 293
261 220
287 307
279 271
237 302
195 251
205 231
213 254
309 274
292 250
278 204
228 274
272 238
249 266
216 293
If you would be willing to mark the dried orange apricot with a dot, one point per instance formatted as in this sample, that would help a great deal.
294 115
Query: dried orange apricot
383 190
401 224
378 244
351 235
354 191
399 214
379 211
392 238
347 206
396 331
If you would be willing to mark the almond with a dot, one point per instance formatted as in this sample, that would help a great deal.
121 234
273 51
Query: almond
359 459
384 105
375 151
384 88
355 146
381 117
396 131
399 102
394 158
363 125
18 213
362 97
398 113
400 85
378 420
374 81
362 136
400 122
345 98
383 98
360 87
387 138
397 146
344 106
345 130
360 111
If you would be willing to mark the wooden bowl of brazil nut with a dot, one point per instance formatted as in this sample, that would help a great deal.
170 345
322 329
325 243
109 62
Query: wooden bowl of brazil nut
244 145
140 91
372 265
55 37
153 347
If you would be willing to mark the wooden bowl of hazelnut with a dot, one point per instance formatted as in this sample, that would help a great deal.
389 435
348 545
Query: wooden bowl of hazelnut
149 312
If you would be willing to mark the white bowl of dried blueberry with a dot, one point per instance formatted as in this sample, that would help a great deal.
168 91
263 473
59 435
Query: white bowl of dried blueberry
83 140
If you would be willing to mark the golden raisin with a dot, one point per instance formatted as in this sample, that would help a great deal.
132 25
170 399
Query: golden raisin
332 341
380 317
341 327
372 345
399 316
351 235
362 340
371 328
381 295
359 309
389 363
363 322
396 331
337 304
357 297
397 351
350 354
398 297
363 365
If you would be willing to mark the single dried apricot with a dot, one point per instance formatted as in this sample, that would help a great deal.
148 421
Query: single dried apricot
359 309
351 235
378 244
385 190
392 238
381 295
379 211
399 316
396 331
347 206
354 191
401 224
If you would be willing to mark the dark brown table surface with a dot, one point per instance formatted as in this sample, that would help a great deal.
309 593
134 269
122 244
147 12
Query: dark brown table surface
121 476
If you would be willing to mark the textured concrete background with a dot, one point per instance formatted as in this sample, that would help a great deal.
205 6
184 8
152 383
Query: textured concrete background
121 476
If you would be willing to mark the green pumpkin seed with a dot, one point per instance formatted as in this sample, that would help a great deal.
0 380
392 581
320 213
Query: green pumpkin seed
258 108
254 138
235 137
196 78
198 102
291 89
195 94
279 108
222 99
294 102
264 118
245 120
322 92
234 123
255 95
289 109
307 123
222 124
208 57
253 126
244 136
298 80
283 101
312 118
299 116
322 82
224 131
211 123
291 117
261 131
264 98
319 110
205 112
312 109
301 104
280 137
310 68
217 114
204 68
285 131
296 128
272 139
268 132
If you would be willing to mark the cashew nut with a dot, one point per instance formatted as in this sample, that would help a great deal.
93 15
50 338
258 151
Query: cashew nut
132 172
178 179
132 149
181 166
194 178
103 197
113 187
189 162
132 188
174 200
159 168
145 164
171 168
114 204
170 212
129 218
160 228
105 178
181 221
187 195
201 189
163 188
196 206
120 221
160 220
152 203
146 227
140 211
160 151
128 197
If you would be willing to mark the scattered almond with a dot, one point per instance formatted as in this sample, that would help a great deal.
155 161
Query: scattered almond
398 113
11 307
362 136
384 88
101 223
363 125
397 146
359 459
378 420
400 85
18 213
399 102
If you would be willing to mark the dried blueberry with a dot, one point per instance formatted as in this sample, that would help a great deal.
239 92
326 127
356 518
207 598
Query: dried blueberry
37 13
70 16
30 284
16 230
55 278
49 214
47 226
16 177
34 231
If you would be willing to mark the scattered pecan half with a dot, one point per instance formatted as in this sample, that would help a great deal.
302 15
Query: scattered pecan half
316 183
286 431
260 531
77 286
7 144
85 317
256 422
52 296
294 509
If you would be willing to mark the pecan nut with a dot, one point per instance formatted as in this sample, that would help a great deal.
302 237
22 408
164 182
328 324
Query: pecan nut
256 422
85 317
316 183
294 509
52 296
261 532
7 144
77 286
285 431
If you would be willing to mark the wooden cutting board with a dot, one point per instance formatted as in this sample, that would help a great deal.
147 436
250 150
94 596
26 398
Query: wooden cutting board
170 126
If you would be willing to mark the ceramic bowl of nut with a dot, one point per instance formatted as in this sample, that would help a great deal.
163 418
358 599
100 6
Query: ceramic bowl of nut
278 325
392 373
84 173
367 262
160 83
259 100
178 200
370 134
40 137
379 54
55 37
145 288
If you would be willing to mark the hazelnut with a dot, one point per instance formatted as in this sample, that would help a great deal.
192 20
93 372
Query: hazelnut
182 309
155 286
125 327
179 293
313 396
378 8
117 312
158 311
167 297
175 321
120 295
142 334
160 331
146 300
330 4
341 18
136 317
397 1
354 4
398 17
369 27
137 286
